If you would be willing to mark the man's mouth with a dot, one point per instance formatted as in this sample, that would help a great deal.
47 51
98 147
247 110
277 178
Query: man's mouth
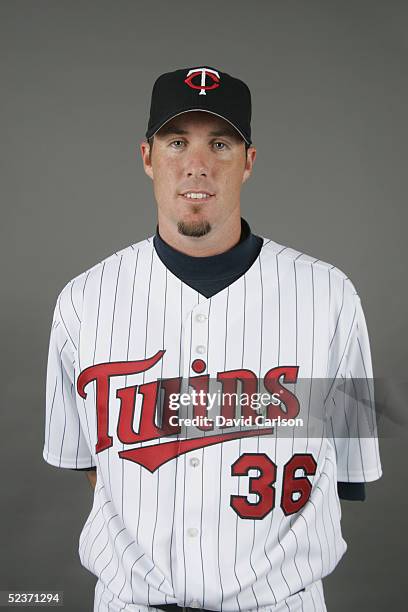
197 195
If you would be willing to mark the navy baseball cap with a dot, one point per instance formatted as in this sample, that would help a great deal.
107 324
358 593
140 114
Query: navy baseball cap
200 89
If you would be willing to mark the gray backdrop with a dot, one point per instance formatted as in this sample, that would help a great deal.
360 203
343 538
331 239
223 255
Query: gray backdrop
329 84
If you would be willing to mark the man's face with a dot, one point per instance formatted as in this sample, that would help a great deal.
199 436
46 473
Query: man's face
203 156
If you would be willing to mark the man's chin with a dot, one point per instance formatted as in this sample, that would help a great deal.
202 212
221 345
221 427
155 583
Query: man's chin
193 228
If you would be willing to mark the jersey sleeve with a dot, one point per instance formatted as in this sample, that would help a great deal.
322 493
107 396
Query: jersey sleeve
351 425
65 442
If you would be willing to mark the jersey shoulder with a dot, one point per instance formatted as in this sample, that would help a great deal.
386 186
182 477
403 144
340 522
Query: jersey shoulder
337 278
68 306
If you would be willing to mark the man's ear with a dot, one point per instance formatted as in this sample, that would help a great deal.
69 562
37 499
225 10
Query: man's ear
249 163
146 158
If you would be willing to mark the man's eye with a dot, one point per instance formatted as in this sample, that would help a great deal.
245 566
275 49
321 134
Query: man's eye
177 143
220 148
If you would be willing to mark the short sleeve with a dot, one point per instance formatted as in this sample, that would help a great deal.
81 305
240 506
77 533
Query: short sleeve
350 408
65 443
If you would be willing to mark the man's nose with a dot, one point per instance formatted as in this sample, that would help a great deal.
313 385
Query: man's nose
197 172
197 165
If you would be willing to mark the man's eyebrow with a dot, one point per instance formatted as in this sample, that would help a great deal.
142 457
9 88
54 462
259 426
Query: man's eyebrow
174 130
230 133
170 130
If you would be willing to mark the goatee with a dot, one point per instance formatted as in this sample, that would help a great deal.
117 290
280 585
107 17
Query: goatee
197 229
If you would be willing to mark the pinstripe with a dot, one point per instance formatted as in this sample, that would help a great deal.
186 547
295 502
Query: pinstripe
296 335
284 557
114 542
348 433
180 286
331 518
318 488
158 475
338 318
96 338
312 354
297 548
127 358
239 444
272 513
64 325
279 305
110 348
220 470
321 447
79 365
279 333
99 306
131 575
342 357
73 304
321 599
313 600
97 535
184 530
90 525
308 550
100 575
145 355
105 545
371 400
367 379
114 307
332 429
276 432
358 426
257 438
218 526
202 470
269 560
79 426
50 417
318 536
65 410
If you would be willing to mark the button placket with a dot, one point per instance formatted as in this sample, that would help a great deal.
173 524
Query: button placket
196 353
199 339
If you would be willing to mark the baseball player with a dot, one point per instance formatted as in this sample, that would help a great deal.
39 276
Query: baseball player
204 500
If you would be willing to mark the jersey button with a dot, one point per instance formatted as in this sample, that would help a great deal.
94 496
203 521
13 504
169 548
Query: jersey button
201 317
200 349
194 461
192 532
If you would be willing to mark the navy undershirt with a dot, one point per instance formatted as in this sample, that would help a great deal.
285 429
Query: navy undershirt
209 275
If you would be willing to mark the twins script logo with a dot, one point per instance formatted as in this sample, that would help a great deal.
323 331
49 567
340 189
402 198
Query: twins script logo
213 75
153 456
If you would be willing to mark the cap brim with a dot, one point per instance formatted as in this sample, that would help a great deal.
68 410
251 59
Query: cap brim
155 129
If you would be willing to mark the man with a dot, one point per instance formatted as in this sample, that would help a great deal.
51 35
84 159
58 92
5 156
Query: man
222 511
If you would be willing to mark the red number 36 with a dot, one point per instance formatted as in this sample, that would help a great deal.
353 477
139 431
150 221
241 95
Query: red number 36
263 485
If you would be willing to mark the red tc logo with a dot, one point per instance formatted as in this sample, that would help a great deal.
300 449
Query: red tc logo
203 72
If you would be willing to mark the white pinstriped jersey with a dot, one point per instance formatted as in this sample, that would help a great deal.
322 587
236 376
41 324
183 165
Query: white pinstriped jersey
239 522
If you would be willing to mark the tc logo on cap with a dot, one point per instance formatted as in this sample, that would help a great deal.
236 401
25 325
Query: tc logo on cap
213 75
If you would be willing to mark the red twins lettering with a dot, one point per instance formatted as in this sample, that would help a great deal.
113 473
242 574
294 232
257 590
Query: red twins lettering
152 456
